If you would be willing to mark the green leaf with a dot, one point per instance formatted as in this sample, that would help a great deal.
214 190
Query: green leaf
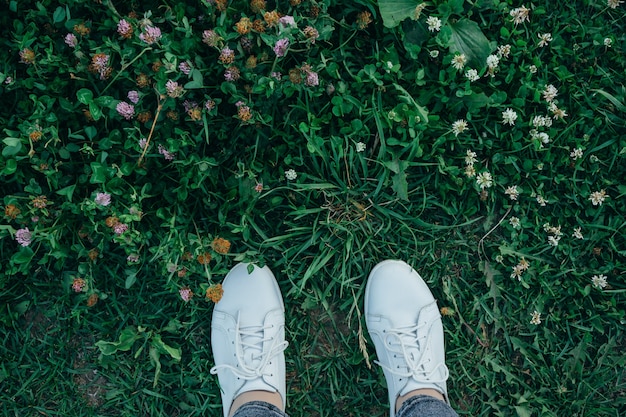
95 111
476 101
59 15
523 411
197 81
98 173
415 32
620 106
456 6
84 95
23 256
394 12
468 39
400 185
157 342
106 101
407 98
125 342
155 359
67 191
10 167
13 146
131 278
91 131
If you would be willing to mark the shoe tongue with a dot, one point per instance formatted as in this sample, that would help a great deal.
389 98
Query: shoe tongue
412 349
253 345
410 342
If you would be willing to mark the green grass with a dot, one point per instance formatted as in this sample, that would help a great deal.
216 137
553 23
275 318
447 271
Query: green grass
406 196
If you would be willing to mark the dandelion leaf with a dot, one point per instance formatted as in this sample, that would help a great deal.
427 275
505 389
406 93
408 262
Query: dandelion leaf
127 338
400 185
468 39
394 12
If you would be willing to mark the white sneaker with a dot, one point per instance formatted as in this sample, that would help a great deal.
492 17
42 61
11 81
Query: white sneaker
405 325
248 335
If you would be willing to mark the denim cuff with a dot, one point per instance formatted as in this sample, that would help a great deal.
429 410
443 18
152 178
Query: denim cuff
259 409
425 406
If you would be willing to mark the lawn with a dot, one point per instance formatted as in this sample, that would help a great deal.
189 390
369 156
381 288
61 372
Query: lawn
149 146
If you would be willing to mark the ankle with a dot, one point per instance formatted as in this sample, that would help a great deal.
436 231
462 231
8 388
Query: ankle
273 398
424 391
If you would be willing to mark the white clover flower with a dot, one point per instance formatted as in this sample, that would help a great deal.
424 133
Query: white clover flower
578 234
576 154
520 15
598 197
532 69
291 174
470 157
517 272
541 200
555 230
535 318
434 53
459 127
599 281
484 180
512 192
542 137
472 75
504 51
523 263
542 121
554 240
509 116
360 147
544 39
418 11
514 221
459 61
470 171
556 112
493 61
550 93
608 42
434 24
613 4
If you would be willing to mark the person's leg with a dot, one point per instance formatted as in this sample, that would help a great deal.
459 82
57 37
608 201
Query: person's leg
259 409
248 342
425 406
404 323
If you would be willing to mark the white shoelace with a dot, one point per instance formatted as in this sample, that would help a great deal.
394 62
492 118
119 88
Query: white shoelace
407 338
249 345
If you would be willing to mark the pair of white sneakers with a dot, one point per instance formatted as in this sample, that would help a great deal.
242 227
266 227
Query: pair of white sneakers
248 332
